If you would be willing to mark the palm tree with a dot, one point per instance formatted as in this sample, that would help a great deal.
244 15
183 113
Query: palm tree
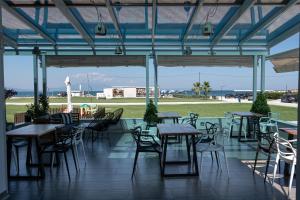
197 88
206 88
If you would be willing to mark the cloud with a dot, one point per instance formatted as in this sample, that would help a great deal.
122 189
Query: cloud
92 76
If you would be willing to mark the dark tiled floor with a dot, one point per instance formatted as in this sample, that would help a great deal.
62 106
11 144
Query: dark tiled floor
107 175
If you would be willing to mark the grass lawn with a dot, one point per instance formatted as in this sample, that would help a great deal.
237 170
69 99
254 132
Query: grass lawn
204 110
94 100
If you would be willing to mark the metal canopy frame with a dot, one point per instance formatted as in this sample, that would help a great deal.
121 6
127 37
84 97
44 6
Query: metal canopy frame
166 35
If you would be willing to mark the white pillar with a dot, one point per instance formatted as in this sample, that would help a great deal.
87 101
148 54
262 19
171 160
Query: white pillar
263 74
3 167
35 78
254 88
147 80
44 74
155 80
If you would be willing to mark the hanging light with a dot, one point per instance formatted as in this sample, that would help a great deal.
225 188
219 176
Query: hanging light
36 50
118 6
187 7
187 51
118 50
100 28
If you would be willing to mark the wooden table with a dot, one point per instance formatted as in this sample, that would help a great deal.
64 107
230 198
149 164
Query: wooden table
246 115
291 133
166 130
30 132
168 115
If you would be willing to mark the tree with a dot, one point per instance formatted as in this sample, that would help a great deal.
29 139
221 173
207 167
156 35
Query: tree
206 88
260 105
150 115
8 93
197 88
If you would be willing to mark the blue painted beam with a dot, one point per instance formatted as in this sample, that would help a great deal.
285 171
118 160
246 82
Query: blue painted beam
285 31
114 18
73 19
154 15
267 20
192 19
10 41
22 16
231 22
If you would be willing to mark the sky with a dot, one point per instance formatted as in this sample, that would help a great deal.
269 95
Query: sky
18 72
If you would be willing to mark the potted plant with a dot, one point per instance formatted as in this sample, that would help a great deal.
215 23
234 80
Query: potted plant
260 105
35 111
150 116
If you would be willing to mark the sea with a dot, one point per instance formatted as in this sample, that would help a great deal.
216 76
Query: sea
93 93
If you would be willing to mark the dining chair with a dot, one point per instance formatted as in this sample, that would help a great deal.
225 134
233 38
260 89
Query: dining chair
209 143
269 123
63 142
287 153
230 123
266 144
78 140
145 143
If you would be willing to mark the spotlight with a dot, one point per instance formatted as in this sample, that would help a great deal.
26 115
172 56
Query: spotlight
100 29
118 50
187 51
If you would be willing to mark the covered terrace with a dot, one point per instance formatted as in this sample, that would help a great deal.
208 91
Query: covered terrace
108 33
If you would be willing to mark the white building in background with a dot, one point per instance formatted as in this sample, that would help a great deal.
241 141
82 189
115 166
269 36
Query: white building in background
125 92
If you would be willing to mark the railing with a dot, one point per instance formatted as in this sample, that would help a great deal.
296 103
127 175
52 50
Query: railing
19 118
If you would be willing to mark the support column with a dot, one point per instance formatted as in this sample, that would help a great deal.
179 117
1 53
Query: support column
263 74
147 80
35 53
3 167
254 88
44 74
155 81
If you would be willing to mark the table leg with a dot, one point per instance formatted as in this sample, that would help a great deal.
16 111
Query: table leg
188 148
195 156
9 150
248 127
41 169
164 154
240 130
28 156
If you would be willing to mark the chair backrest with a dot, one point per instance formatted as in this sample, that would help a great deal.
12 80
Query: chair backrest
64 135
228 119
284 147
136 133
191 119
100 113
211 133
117 115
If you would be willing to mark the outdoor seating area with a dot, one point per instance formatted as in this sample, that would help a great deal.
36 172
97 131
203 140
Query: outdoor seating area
74 146
78 155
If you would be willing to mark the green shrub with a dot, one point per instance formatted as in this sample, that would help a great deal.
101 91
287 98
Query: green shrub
150 115
274 95
260 105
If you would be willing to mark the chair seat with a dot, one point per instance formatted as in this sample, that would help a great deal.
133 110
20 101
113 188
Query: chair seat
149 139
20 143
210 147
56 148
153 148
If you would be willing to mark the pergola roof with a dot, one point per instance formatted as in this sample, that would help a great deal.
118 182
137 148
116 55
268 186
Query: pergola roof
287 61
140 26
98 61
